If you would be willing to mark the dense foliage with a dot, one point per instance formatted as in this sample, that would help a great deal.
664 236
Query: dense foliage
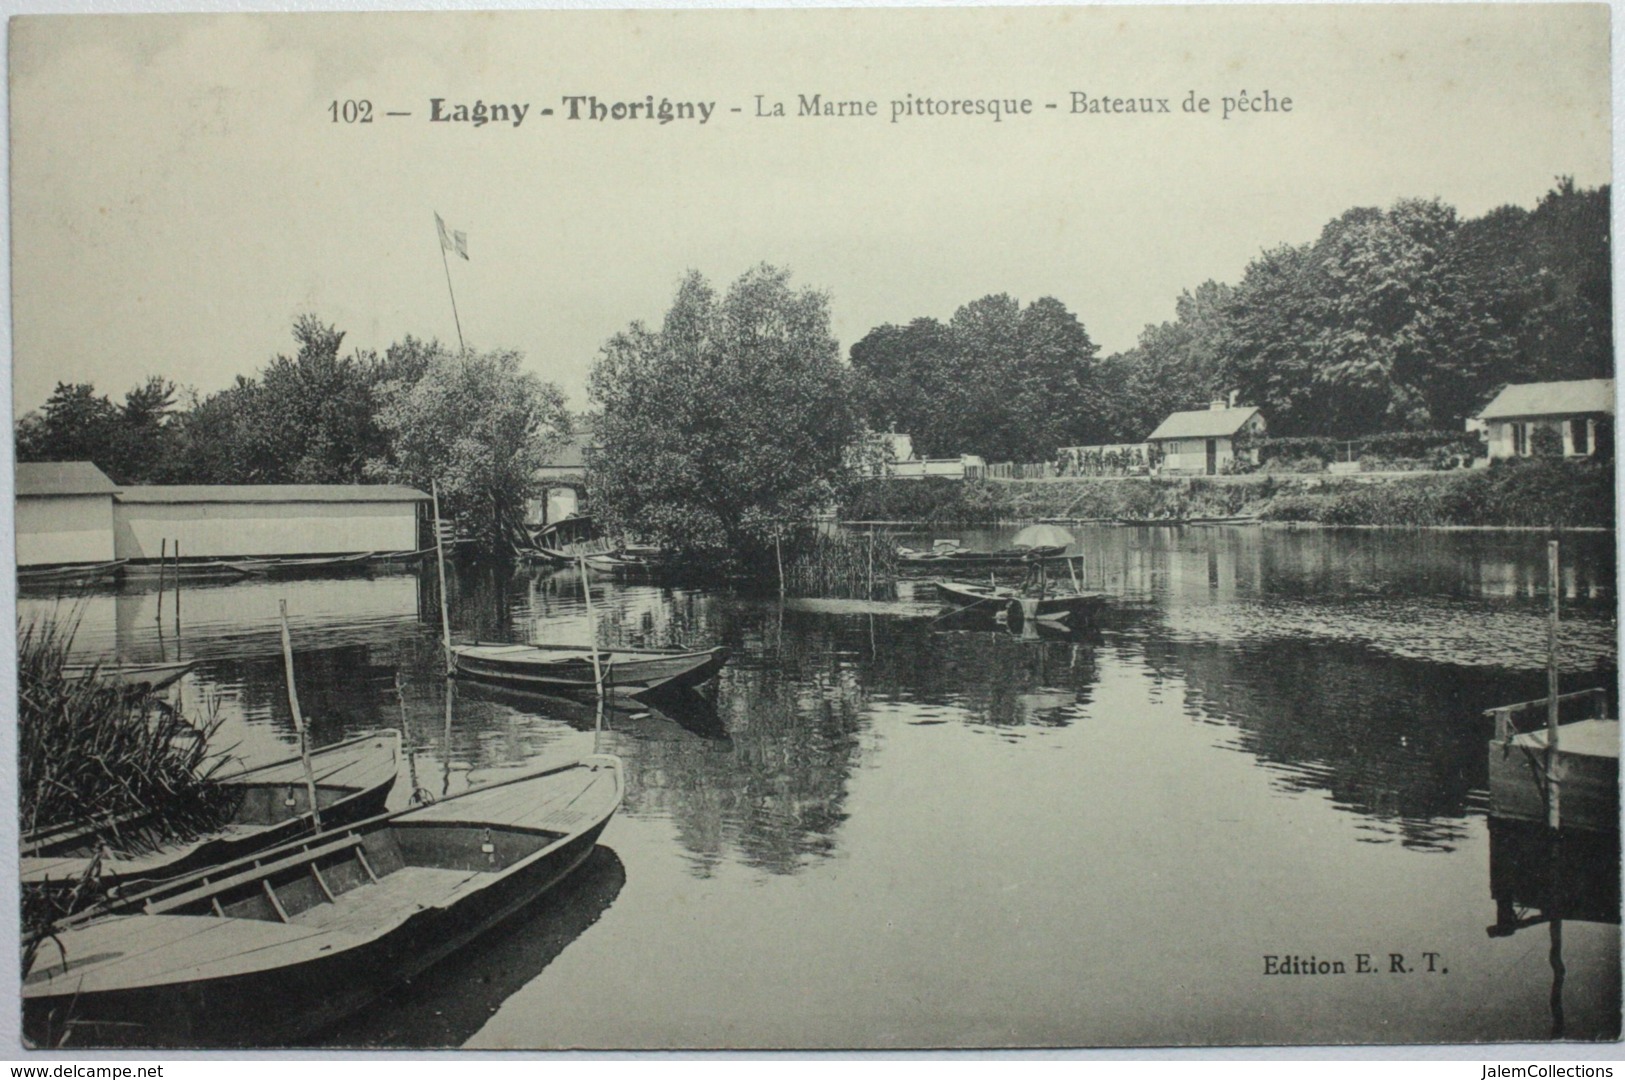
415 413
999 380
1391 320
725 423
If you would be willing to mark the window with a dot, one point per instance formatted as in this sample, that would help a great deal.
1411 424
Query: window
1580 435
1520 440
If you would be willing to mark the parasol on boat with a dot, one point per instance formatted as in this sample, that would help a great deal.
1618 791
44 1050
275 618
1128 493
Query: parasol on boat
1043 536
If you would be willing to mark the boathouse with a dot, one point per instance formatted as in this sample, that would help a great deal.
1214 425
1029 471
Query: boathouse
64 513
230 520
1203 441
1580 412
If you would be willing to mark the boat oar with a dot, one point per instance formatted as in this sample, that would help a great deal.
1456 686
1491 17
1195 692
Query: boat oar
298 720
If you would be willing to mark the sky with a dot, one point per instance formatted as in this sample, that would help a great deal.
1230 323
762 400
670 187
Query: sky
181 189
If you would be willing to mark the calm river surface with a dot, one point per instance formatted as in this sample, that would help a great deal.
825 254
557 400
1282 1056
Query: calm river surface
890 829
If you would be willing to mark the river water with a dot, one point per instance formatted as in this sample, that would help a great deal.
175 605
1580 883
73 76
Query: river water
887 828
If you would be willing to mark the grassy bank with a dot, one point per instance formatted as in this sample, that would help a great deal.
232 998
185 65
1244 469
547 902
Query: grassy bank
1545 494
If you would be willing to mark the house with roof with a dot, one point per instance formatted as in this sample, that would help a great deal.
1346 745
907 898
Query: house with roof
1580 412
64 513
1203 441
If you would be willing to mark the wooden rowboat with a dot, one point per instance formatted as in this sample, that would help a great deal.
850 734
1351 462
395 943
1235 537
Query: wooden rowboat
133 676
74 574
1058 607
286 568
951 558
569 669
353 780
268 950
969 594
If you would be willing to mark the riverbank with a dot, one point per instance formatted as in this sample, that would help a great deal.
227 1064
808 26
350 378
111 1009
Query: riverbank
1523 494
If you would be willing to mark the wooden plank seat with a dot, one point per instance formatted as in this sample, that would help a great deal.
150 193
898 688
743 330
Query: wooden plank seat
206 889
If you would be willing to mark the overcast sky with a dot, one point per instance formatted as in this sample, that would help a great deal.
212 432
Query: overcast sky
181 192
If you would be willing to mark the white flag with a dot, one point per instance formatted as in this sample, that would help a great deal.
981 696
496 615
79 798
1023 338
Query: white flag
455 241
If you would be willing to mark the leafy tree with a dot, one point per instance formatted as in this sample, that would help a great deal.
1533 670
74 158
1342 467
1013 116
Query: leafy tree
999 380
476 424
727 421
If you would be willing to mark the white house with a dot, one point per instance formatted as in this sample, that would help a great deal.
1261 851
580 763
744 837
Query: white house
1580 412
1202 441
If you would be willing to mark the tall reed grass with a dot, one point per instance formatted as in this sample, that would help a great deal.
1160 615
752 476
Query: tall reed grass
843 565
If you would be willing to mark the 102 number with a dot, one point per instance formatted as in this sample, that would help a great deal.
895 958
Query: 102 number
351 112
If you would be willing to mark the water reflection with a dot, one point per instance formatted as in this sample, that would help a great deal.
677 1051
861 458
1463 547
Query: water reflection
452 1000
1287 712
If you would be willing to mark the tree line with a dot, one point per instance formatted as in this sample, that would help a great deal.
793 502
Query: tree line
415 413
1408 318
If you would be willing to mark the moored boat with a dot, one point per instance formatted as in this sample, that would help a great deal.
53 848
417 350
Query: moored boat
1059 607
570 669
1587 762
70 574
970 594
353 780
313 567
954 557
268 950
133 676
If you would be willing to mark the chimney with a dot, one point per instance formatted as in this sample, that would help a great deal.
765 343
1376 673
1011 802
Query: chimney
1216 404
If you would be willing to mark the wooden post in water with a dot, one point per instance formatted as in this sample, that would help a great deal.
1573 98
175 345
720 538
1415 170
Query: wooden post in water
298 719
778 553
440 565
163 556
1554 781
592 626
871 566
177 598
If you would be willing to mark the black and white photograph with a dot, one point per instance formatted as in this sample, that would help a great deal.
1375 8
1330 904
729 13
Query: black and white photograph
872 529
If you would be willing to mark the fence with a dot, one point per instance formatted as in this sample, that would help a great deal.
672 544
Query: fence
1040 470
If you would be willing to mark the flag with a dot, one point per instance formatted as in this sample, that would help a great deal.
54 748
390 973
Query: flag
454 241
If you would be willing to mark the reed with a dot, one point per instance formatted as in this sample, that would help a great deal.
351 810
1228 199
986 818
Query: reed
843 565
93 752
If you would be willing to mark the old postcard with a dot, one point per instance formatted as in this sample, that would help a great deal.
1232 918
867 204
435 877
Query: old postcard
816 528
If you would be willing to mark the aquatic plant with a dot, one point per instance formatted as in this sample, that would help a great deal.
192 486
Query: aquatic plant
842 565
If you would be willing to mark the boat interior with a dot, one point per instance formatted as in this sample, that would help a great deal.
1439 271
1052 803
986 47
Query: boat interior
361 878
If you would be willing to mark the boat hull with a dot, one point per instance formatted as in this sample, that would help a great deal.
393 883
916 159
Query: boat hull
572 672
63 862
284 1004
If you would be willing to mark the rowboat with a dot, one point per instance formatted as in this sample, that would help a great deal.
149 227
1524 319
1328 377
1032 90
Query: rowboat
569 669
74 574
270 949
353 779
132 676
631 560
1058 607
389 558
285 568
1586 762
1005 557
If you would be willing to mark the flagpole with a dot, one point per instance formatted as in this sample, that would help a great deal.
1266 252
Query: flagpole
441 236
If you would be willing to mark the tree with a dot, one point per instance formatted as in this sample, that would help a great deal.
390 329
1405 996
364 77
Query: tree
999 380
727 422
478 426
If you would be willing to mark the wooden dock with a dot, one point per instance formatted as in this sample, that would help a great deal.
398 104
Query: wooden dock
1585 766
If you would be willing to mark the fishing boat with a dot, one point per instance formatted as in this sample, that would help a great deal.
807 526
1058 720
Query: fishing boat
287 568
268 950
73 574
395 558
970 594
629 560
954 557
570 669
1058 607
353 779
132 676
1586 762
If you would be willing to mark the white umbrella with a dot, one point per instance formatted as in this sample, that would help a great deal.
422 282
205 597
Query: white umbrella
1034 536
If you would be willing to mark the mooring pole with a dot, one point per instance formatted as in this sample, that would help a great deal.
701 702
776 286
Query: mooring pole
592 626
298 719
440 565
1554 781
163 559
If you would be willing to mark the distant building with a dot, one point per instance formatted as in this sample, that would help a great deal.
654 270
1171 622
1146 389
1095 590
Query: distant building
1580 412
1203 441
64 513
564 477
70 512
